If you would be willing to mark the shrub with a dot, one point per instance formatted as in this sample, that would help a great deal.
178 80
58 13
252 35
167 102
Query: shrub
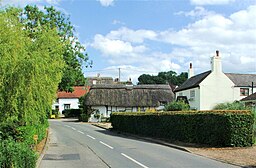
83 117
231 106
177 106
16 154
215 128
71 112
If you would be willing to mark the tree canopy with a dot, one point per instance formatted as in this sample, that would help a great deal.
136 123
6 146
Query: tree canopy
74 54
30 70
170 77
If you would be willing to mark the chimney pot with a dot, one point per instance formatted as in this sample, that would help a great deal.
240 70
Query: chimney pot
217 53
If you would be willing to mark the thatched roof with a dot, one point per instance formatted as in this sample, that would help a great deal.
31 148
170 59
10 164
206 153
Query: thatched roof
129 96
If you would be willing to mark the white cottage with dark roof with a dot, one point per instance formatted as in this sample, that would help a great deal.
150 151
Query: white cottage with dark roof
210 88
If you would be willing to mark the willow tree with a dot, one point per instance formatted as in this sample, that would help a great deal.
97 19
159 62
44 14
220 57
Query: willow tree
30 70
74 52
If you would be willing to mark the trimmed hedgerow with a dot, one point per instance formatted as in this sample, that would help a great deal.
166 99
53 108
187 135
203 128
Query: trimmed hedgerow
215 128
16 154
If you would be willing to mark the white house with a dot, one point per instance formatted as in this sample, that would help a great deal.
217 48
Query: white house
69 100
210 88
127 98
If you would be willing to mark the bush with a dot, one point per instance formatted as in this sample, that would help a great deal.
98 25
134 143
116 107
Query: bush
231 106
83 117
215 128
71 112
16 154
177 106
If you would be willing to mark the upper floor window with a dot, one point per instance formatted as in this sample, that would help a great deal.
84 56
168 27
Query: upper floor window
192 94
66 106
244 91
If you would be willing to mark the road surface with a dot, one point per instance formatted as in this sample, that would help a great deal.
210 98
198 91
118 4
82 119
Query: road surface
74 144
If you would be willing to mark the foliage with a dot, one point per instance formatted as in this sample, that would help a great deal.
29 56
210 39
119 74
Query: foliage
71 112
18 155
215 128
34 19
231 106
83 117
163 78
177 106
30 70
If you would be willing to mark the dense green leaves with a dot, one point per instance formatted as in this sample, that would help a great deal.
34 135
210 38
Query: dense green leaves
34 19
177 106
30 70
163 78
215 128
231 106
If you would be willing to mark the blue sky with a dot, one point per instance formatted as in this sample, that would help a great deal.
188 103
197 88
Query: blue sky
149 36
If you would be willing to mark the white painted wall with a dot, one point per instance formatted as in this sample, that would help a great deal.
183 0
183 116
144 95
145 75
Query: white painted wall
193 102
74 104
237 95
214 89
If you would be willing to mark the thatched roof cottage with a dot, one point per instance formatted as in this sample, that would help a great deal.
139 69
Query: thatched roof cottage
114 98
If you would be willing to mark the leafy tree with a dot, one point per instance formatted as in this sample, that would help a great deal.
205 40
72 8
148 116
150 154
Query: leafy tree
74 52
163 78
30 70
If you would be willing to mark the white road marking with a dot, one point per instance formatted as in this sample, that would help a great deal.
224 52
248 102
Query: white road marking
80 132
106 145
90 136
67 125
73 128
135 161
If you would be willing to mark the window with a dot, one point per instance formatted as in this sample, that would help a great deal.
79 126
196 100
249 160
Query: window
244 91
180 94
192 94
66 106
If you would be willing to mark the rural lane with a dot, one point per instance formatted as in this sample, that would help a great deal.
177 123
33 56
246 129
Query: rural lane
74 144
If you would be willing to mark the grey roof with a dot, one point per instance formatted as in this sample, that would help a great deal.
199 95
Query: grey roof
250 98
193 81
238 79
129 96
242 79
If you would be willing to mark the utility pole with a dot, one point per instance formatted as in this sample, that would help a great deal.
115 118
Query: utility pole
119 74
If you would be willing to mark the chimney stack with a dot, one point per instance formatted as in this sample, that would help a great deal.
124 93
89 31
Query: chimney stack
216 63
217 53
190 71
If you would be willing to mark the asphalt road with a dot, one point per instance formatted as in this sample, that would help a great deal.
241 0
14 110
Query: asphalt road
74 144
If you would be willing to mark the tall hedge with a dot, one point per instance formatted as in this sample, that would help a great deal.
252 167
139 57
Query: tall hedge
215 128
31 68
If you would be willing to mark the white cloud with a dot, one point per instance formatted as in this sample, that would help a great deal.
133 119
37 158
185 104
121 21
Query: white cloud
117 22
233 35
106 3
116 48
211 2
197 12
135 36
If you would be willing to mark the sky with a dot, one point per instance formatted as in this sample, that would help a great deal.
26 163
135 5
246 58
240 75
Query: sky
151 36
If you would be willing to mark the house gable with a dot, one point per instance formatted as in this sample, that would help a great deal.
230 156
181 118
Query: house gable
192 82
